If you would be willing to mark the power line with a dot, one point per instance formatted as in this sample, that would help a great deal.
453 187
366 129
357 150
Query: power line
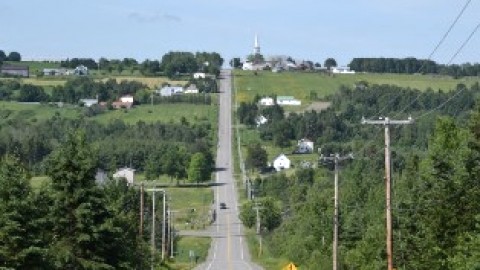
464 43
430 57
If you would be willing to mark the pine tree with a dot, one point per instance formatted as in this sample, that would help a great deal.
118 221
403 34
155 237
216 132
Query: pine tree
85 236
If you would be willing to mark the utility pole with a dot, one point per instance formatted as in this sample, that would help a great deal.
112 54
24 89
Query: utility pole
154 190
172 230
336 158
257 209
386 122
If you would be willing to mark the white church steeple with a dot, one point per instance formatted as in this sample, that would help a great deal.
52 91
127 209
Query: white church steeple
256 47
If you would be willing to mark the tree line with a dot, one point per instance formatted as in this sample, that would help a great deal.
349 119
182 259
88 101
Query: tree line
412 65
435 182
156 149
12 56
172 64
107 91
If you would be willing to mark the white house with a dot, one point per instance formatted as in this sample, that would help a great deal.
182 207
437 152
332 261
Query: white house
199 75
168 91
304 146
260 120
266 101
126 99
81 70
342 70
288 100
191 89
127 173
281 162
89 102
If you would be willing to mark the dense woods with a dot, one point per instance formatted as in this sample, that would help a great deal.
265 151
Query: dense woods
412 65
435 161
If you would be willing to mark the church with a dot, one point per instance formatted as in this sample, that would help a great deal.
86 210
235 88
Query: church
255 61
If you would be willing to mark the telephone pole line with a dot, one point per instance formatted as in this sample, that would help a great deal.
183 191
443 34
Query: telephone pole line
336 158
386 122
154 190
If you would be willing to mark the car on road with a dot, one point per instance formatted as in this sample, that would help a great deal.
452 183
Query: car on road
223 205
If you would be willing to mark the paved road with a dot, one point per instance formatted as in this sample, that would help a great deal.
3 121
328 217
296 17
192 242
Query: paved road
229 248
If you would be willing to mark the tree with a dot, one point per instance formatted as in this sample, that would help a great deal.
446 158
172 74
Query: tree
256 157
3 56
330 62
14 56
236 63
198 170
85 236
21 242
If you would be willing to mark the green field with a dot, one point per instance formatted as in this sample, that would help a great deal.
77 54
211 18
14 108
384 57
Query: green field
13 111
300 85
199 246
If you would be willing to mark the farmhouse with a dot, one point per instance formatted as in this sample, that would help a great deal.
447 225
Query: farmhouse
281 162
168 91
81 70
342 70
191 89
288 100
88 102
266 101
21 71
127 173
304 146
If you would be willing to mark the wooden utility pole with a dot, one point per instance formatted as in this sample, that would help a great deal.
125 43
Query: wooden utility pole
258 227
154 190
336 158
388 202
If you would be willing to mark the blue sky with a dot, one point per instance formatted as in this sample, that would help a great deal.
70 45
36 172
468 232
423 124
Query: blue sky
304 29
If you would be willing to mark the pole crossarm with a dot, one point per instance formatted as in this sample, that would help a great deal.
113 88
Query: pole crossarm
386 122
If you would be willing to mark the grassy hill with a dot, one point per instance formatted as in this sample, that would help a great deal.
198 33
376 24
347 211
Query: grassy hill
302 85
14 111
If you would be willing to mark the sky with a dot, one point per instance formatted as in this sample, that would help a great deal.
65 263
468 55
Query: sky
303 29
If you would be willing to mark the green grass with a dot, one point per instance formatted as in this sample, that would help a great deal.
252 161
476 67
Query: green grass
300 85
263 258
37 181
13 111
163 112
199 245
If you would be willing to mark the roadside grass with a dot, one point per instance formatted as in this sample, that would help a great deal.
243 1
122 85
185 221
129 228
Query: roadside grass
38 181
301 85
263 258
184 244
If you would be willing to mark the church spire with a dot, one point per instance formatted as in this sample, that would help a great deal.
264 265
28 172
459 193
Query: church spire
256 46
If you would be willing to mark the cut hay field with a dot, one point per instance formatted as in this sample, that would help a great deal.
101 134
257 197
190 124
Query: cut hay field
301 85
151 82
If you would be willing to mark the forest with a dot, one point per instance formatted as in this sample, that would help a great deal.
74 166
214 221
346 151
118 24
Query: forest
435 162
412 65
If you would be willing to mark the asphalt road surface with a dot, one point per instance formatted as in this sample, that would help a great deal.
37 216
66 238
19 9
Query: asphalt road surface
229 249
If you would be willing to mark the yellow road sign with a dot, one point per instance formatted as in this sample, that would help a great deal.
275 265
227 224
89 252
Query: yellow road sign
290 266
